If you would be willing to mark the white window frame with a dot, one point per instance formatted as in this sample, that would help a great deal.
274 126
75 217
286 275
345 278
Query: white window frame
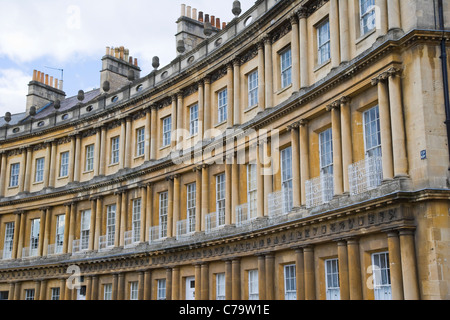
286 178
220 286
111 212
222 105
326 151
85 227
34 236
14 175
163 213
161 289
366 16
220 198
286 67
140 142
167 131
89 163
115 150
9 240
134 290
191 190
56 294
107 291
59 233
136 220
253 88
39 174
381 276
323 42
193 120
29 294
252 190
290 282
370 117
332 279
64 164
253 285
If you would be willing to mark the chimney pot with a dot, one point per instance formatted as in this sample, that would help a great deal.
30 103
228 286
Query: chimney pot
218 23
183 10
200 16
206 17
121 53
46 79
224 25
108 51
56 83
213 21
194 14
50 83
130 60
34 75
136 62
189 12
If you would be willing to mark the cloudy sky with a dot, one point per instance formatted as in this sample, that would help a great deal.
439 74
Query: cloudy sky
73 34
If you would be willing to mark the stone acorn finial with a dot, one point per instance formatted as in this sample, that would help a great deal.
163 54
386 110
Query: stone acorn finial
180 46
8 117
236 8
131 76
32 111
57 104
106 86
208 29
80 96
155 63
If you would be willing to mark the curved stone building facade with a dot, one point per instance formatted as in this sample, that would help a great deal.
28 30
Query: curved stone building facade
298 152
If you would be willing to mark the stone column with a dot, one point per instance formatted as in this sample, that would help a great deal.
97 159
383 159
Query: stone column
121 287
168 283
385 126
176 283
148 124
409 268
97 148
236 91
303 30
300 273
88 280
343 270
123 218
180 118
17 290
397 123
62 291
11 291
261 78
347 147
149 212
22 169
47 161
198 198
43 293
354 269
268 173
147 284
230 92
115 283
234 188
382 17
98 223
127 149
72 157
228 190
141 285
207 108
122 143
337 147
262 277
143 214
205 195
153 135
304 158
37 290
73 220
201 110
170 207
94 288
198 281
296 199
53 168
21 234
205 281
310 282
92 224
3 171
175 203
66 227
344 30
102 166
295 49
334 30
118 219
395 265
29 160
76 169
268 71
236 280
43 219
394 19
270 276
259 180
173 142
228 279
17 224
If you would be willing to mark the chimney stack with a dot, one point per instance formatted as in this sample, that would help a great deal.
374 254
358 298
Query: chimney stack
117 65
42 90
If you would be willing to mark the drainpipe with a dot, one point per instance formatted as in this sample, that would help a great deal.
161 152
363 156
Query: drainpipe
444 71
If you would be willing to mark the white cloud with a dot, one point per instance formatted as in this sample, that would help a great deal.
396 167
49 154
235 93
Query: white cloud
13 91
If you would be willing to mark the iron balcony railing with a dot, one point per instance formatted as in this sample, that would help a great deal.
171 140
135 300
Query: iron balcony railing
215 220
319 190
365 175
280 202
185 227
29 252
54 249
